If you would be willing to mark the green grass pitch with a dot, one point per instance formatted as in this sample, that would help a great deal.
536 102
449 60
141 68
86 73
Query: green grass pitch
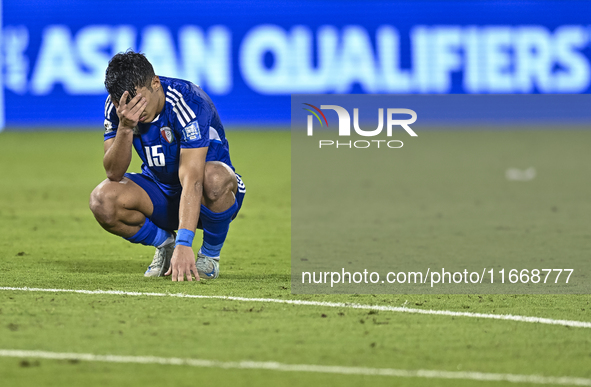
49 239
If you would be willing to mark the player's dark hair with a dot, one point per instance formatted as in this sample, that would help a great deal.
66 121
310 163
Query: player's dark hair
126 71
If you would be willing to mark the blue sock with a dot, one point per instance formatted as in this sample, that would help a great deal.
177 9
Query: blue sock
215 228
150 235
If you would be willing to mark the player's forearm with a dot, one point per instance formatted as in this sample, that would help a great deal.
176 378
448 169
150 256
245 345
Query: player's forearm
118 156
190 203
191 176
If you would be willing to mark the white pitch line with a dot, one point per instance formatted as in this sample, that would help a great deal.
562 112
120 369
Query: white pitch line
274 366
385 308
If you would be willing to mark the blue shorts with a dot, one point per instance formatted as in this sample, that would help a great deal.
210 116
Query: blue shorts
166 204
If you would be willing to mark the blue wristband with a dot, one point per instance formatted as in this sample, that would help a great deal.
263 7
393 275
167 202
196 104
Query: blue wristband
184 237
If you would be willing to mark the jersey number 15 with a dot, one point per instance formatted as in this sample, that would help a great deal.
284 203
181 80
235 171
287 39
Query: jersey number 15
154 156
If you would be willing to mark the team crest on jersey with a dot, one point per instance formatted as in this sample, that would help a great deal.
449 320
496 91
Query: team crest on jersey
167 134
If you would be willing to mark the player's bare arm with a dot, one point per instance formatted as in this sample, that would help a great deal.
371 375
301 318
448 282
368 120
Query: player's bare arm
118 150
191 175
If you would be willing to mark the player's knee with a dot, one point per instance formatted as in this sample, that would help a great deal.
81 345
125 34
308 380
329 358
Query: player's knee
103 204
218 180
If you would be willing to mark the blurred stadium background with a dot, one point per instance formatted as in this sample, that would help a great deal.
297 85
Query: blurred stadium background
490 68
250 56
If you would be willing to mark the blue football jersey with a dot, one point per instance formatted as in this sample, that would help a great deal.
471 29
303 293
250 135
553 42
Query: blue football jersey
189 119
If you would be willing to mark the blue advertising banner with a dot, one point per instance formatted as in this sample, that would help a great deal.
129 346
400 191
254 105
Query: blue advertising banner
250 57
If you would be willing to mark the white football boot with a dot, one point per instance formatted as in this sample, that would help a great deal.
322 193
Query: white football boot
207 267
162 257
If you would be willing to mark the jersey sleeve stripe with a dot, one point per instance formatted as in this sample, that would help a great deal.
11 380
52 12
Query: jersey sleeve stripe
180 96
188 108
173 101
107 102
185 115
179 116
179 106
176 92
176 102
108 115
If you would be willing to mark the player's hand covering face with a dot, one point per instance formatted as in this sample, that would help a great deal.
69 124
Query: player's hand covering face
129 112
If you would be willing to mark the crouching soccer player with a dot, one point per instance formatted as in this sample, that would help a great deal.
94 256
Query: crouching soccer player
187 178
